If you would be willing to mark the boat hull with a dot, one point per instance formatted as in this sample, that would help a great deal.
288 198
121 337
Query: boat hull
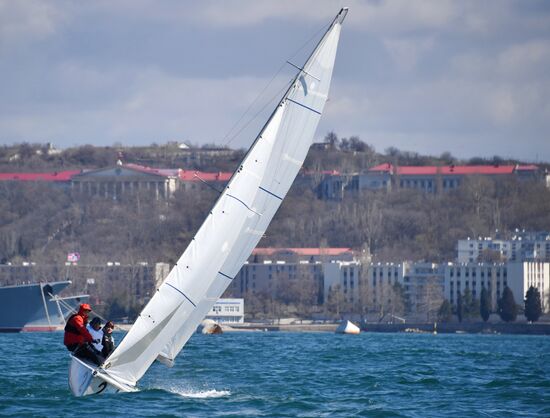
86 379
19 304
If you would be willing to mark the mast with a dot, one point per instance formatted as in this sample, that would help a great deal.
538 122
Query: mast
235 224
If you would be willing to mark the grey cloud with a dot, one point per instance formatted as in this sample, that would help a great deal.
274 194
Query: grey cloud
427 76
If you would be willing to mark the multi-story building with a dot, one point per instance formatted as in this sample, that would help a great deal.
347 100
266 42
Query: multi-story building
424 289
113 182
379 280
343 277
518 276
278 271
435 178
431 179
227 311
126 179
521 246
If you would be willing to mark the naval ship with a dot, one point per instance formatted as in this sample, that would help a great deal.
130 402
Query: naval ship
36 306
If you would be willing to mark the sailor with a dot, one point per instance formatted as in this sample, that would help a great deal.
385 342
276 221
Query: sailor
94 328
77 338
108 340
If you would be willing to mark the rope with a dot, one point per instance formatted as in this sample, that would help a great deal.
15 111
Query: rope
73 310
270 101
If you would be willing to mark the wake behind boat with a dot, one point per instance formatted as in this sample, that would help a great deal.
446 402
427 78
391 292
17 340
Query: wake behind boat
228 235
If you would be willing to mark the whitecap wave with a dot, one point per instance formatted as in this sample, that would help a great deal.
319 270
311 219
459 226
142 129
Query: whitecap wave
203 394
187 392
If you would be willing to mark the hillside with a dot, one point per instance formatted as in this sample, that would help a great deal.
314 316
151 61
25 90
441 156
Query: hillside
41 223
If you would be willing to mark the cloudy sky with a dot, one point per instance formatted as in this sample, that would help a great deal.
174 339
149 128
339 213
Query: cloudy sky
468 77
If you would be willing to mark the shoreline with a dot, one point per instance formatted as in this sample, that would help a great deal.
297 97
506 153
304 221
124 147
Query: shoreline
413 327
416 328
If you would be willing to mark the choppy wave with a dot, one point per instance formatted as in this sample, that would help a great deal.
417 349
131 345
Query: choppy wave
308 374
194 393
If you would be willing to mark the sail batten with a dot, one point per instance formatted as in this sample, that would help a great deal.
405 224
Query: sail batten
236 223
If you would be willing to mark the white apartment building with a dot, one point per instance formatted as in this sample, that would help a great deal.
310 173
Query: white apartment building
227 311
518 276
380 278
424 288
344 276
522 246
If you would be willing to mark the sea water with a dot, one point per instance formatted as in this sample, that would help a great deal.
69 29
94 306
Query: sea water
298 374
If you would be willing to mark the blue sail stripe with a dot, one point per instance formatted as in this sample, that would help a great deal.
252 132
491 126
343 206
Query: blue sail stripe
272 194
225 275
303 105
184 295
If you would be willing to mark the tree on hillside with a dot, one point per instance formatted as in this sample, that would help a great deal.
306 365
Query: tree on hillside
533 305
445 312
398 300
336 302
507 308
485 306
490 256
332 139
459 306
471 304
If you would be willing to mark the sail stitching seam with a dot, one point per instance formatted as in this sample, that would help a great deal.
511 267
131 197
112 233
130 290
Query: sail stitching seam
184 295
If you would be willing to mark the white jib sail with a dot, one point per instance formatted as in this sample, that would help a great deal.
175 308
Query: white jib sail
236 223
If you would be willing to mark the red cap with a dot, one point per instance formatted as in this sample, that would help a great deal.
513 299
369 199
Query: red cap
85 306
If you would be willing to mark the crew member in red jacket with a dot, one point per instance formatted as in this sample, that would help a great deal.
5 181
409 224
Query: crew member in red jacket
77 339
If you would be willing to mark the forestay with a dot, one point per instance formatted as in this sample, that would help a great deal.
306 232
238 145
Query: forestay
236 223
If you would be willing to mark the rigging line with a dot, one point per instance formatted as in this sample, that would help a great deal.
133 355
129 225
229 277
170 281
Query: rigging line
74 310
275 96
296 52
251 104
244 204
208 184
303 71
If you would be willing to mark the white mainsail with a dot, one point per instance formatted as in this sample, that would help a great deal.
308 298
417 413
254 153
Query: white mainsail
233 228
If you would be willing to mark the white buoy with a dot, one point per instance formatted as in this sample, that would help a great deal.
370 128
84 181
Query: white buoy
347 327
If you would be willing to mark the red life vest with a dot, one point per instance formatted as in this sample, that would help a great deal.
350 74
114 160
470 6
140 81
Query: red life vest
75 330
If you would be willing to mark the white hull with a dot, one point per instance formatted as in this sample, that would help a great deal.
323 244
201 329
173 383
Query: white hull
86 379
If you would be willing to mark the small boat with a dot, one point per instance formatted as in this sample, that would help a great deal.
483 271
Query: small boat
347 327
227 236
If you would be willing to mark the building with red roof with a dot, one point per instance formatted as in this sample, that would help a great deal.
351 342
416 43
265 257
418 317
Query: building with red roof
434 178
430 179
55 177
131 178
111 182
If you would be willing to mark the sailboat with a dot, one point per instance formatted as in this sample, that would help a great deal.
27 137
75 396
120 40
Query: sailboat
227 236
